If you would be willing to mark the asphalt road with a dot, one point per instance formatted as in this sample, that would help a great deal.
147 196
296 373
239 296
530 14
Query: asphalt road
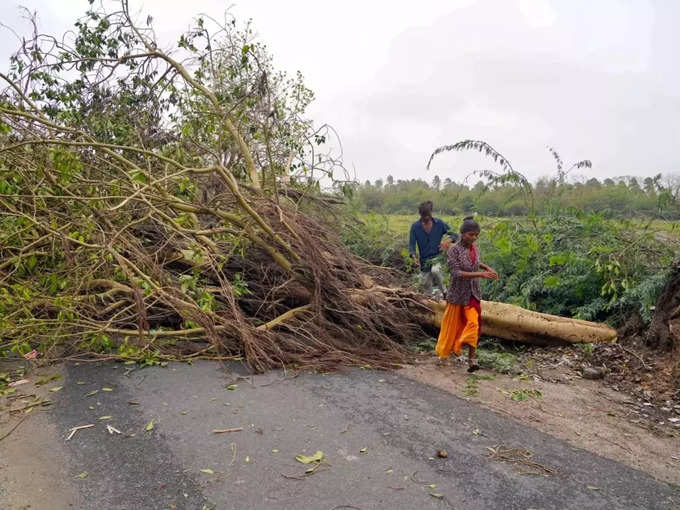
379 433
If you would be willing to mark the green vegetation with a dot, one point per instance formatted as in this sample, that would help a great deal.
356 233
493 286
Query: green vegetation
472 383
583 265
623 197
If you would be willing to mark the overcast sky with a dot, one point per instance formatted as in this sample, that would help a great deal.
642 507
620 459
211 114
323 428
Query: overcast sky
597 80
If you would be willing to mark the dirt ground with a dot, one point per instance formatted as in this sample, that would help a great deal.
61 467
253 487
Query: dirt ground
586 413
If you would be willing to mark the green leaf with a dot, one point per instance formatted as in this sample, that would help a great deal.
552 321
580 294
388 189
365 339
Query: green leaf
232 387
138 176
317 457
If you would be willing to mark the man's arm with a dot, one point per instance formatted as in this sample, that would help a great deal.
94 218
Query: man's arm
412 245
448 231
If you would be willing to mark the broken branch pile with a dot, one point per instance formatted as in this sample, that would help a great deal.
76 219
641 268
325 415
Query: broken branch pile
148 207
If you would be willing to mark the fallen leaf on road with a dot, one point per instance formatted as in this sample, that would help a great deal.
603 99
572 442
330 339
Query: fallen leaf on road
149 426
107 417
436 495
80 382
45 379
133 403
208 471
93 392
247 460
91 407
389 470
232 387
317 457
432 486
363 450
56 388
107 389
82 475
593 488
275 450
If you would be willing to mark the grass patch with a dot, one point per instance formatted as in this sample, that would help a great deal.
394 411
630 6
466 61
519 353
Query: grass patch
499 361
523 394
472 383
424 345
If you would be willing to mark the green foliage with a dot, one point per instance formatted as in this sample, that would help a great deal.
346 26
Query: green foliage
472 383
524 394
372 238
497 360
620 198
576 266
584 265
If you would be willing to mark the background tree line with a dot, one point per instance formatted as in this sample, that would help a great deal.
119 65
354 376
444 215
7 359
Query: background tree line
657 196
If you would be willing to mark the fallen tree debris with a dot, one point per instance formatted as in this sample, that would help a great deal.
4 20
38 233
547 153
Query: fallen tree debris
519 456
227 431
76 429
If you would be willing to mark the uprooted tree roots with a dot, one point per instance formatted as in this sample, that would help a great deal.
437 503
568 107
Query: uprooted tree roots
114 240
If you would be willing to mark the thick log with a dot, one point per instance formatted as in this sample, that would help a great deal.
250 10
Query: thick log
511 322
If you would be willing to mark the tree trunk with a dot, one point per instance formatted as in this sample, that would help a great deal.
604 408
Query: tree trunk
511 322
664 331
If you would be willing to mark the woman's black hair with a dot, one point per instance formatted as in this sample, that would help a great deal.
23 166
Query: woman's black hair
469 225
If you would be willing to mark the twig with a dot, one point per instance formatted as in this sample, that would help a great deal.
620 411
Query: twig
632 353
14 427
226 431
76 429
233 457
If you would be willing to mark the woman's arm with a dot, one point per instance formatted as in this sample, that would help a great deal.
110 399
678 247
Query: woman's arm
454 263
489 275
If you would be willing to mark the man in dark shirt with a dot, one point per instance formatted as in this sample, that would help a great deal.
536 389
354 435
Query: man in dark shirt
427 233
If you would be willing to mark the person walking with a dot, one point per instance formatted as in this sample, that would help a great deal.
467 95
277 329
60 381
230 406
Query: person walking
461 324
427 234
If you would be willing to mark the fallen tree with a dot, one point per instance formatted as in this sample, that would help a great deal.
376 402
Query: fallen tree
511 322
664 330
155 206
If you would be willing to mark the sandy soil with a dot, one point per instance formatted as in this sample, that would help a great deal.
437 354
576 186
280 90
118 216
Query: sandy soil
585 413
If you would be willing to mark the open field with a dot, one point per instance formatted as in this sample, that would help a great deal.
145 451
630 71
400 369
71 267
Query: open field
401 223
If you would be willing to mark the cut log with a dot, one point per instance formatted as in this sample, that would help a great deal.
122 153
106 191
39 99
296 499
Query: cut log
511 322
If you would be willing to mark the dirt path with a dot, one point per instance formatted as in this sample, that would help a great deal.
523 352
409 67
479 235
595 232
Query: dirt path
582 412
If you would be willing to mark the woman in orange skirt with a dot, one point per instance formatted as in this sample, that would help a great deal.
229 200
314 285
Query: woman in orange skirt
461 324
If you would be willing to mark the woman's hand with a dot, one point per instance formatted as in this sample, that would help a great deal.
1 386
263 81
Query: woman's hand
489 275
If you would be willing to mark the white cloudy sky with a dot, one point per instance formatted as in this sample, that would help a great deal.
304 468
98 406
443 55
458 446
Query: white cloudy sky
595 79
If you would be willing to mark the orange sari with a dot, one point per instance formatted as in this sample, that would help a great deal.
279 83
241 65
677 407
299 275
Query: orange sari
461 325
